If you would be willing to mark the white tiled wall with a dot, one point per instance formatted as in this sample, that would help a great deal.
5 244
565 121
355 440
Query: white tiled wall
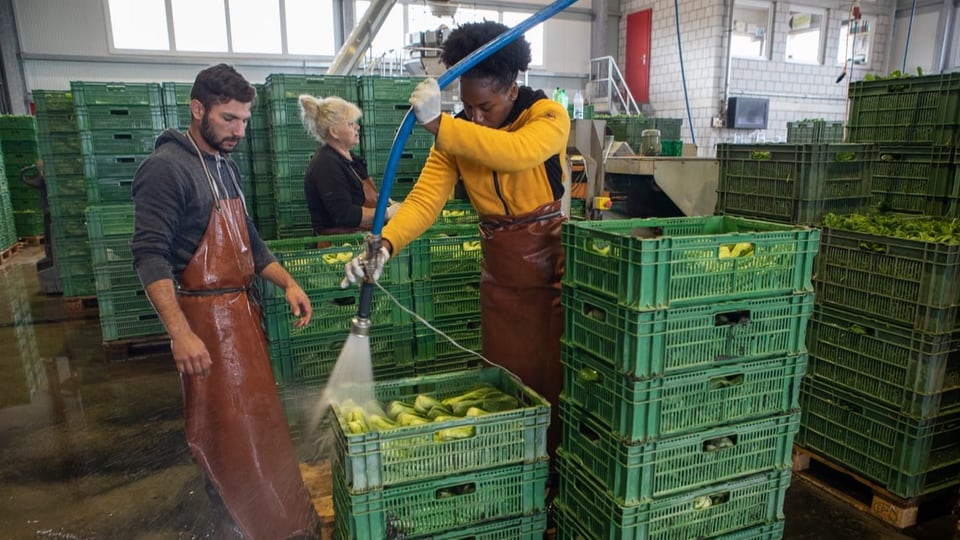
796 91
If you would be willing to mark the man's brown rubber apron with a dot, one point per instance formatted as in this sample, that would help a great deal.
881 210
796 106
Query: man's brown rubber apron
522 319
235 425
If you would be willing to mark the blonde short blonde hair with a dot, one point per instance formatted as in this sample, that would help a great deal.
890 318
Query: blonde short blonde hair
320 114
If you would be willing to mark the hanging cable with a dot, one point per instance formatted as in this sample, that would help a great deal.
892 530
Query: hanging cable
906 46
683 73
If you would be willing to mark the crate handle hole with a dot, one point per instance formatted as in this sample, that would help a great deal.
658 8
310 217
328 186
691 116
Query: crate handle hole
873 246
732 318
122 137
343 301
456 491
727 381
705 502
594 312
600 247
590 434
119 112
588 375
719 443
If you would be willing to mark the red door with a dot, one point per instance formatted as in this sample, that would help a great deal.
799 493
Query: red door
637 68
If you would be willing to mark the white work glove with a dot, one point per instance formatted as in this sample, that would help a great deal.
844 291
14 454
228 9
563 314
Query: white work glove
354 271
392 210
425 100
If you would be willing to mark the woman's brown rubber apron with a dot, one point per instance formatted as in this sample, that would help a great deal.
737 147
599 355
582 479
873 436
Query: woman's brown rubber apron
370 197
522 319
235 425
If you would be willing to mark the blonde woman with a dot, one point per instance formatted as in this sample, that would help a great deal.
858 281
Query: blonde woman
340 194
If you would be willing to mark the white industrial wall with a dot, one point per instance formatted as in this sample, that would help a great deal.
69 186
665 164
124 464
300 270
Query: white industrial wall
68 40
796 91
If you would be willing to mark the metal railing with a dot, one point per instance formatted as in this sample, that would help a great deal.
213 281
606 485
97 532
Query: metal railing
608 87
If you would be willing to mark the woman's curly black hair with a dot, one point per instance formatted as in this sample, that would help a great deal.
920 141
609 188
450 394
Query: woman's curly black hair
503 66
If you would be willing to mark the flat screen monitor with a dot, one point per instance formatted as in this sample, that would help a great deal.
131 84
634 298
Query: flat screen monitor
747 113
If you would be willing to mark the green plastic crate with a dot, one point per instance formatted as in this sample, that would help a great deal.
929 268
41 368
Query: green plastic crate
429 508
115 93
293 139
309 360
64 166
377 459
402 185
636 473
457 212
652 343
18 127
435 348
323 268
54 145
648 409
28 147
447 364
112 143
708 512
907 282
176 93
914 109
671 148
410 163
908 457
386 113
123 303
569 528
669 128
60 122
918 374
333 311
291 165
119 278
130 326
110 220
48 101
530 527
310 243
111 250
177 116
120 117
285 119
446 251
112 167
915 178
793 183
290 86
107 190
375 88
684 265
578 208
374 137
441 298
28 222
814 131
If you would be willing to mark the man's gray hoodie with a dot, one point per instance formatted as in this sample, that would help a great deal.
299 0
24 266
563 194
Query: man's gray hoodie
173 201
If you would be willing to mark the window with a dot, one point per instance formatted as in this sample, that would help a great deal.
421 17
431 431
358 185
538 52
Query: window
139 24
749 37
805 35
854 45
533 35
304 34
389 40
199 25
255 26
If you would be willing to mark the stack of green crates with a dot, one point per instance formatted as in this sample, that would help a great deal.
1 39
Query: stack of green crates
60 149
15 310
385 101
883 396
423 481
682 359
629 128
793 183
306 356
445 264
264 201
915 123
18 140
119 124
125 309
8 232
291 145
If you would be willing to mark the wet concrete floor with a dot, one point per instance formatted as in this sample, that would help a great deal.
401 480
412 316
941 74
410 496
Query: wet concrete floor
92 447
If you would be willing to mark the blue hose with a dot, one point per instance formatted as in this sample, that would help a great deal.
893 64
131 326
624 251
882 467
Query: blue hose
361 323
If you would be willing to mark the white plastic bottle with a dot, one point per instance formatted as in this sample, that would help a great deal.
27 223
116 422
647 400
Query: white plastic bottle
578 106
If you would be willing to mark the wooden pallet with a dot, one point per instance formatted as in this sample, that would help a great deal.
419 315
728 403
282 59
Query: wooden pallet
125 348
316 476
80 304
32 240
865 495
6 254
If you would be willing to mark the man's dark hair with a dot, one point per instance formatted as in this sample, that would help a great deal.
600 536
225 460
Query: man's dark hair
220 84
503 66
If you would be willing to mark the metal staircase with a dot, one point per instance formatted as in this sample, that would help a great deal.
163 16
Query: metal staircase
607 90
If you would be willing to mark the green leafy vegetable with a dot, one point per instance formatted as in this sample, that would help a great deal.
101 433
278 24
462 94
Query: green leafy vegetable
924 229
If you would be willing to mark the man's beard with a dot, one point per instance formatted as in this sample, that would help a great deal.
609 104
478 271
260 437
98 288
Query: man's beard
210 138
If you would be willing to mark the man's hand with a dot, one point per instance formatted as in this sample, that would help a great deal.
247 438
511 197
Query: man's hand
190 354
425 100
300 305
355 269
